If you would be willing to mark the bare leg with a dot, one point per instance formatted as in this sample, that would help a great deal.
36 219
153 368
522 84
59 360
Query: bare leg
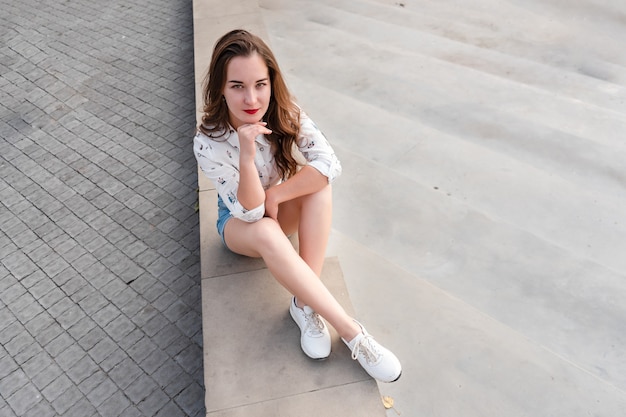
311 217
267 239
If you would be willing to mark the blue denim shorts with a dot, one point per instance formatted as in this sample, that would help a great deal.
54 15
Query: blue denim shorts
223 216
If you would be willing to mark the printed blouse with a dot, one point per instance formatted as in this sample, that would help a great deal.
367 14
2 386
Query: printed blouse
218 159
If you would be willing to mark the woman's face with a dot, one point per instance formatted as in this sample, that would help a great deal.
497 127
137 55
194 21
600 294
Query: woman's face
247 90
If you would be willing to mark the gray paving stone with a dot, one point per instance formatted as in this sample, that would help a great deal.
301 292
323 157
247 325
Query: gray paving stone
18 343
170 409
186 399
113 359
82 369
92 382
102 349
70 316
142 349
114 406
60 307
131 411
102 392
119 328
155 324
154 360
46 376
190 359
41 288
90 146
178 344
13 382
82 293
141 388
124 373
25 307
59 344
68 358
22 400
42 409
53 296
152 404
178 384
9 332
82 408
12 293
57 387
67 399
105 315
37 364
188 324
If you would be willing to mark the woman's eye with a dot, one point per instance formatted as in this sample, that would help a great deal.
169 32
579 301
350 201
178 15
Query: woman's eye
259 85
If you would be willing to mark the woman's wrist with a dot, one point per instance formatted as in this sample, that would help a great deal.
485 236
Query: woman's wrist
246 160
272 195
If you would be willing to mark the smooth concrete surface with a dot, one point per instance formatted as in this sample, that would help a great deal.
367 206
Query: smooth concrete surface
253 359
479 219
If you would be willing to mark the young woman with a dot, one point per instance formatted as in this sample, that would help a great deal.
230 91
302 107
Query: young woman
247 143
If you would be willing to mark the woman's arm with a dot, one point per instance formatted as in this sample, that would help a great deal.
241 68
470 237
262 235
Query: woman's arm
250 192
307 181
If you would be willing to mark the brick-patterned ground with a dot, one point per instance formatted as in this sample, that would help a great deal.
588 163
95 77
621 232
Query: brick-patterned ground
99 273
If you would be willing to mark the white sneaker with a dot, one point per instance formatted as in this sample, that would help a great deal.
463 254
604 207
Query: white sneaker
379 362
314 335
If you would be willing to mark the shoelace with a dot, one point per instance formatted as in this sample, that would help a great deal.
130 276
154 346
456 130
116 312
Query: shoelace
367 348
314 323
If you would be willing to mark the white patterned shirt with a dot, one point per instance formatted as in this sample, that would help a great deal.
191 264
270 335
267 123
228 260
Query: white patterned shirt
218 159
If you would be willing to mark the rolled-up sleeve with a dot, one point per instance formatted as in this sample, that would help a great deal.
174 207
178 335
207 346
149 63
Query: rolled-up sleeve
215 160
317 150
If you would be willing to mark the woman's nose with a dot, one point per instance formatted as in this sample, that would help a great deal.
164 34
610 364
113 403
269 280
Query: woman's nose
250 97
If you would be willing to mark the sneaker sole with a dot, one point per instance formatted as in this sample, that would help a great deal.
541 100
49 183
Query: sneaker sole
396 378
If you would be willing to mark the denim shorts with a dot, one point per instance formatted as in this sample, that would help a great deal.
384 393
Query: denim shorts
223 215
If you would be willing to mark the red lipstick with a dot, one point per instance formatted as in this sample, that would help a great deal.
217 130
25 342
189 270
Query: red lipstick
251 111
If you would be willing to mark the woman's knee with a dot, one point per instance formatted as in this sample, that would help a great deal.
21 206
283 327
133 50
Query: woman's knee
321 197
265 230
252 239
266 234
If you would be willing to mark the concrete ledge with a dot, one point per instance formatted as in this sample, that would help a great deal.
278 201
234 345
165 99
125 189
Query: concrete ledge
252 356
253 364
346 400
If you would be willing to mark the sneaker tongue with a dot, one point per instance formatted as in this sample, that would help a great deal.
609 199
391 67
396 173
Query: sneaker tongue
356 340
308 310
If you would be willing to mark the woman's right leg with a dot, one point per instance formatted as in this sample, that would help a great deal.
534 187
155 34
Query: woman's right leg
266 239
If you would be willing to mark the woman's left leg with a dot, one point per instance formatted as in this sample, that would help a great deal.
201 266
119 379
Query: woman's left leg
311 217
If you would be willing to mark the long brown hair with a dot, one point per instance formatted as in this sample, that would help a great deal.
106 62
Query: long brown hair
283 115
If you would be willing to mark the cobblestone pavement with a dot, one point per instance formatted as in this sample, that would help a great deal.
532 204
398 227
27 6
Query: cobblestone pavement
100 310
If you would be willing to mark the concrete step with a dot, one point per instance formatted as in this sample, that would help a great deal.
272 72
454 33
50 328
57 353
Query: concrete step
253 362
460 360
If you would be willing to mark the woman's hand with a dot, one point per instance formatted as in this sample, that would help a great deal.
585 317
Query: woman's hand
247 135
